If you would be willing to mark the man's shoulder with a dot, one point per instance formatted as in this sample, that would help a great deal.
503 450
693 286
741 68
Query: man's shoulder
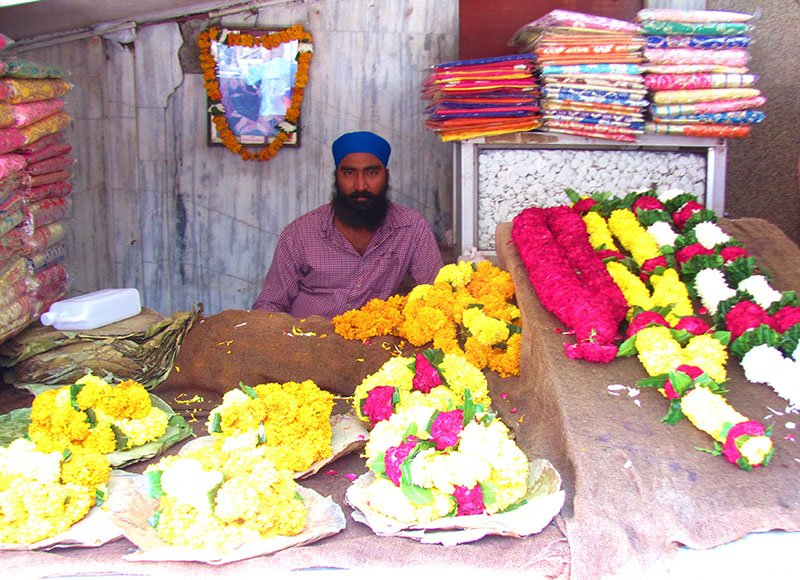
315 218
402 215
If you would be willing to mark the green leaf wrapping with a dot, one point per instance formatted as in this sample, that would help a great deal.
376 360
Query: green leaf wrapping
152 483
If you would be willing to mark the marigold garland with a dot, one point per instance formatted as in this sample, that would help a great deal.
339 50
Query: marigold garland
211 84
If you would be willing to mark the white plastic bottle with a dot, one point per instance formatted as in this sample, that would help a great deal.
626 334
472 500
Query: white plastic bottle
93 310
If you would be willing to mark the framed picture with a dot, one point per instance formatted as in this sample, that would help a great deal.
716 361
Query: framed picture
255 80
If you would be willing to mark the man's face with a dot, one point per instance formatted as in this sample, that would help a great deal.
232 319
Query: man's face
361 185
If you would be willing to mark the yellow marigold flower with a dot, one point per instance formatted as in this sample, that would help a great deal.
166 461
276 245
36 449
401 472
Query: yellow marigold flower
126 400
457 275
477 352
506 362
599 234
668 289
709 412
491 280
487 330
86 469
635 291
708 353
659 352
756 449
141 431
633 237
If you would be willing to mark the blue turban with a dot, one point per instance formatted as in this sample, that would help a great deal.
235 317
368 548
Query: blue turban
361 142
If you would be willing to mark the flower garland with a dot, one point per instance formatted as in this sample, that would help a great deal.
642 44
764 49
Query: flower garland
467 311
429 464
211 84
93 415
219 499
290 421
44 494
431 378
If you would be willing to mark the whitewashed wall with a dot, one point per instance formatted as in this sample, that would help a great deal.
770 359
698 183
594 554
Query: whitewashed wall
157 209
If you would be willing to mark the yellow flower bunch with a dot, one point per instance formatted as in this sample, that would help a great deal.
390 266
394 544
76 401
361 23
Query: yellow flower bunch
634 290
659 352
93 415
599 234
458 376
218 499
472 453
669 290
290 421
44 494
433 313
632 236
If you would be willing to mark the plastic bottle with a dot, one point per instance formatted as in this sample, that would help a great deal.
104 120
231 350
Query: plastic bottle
93 310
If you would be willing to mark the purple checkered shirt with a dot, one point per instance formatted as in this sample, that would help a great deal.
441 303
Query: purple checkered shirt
316 270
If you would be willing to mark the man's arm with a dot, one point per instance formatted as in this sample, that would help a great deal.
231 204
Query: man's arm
282 282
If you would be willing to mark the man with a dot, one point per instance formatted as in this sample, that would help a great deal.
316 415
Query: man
358 247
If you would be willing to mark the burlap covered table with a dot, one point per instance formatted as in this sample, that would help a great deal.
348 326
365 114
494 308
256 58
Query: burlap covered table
636 488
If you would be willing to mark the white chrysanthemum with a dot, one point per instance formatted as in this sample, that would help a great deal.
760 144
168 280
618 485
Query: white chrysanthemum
756 449
712 288
21 459
140 431
710 234
670 194
234 396
242 441
189 483
663 234
763 294
390 433
388 499
766 364
444 471
709 412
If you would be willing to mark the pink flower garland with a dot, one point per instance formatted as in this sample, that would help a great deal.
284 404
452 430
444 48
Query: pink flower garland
570 279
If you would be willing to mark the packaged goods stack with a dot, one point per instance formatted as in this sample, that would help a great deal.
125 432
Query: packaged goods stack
481 97
588 67
35 193
696 71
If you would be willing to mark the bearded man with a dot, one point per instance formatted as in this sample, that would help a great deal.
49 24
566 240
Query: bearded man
358 247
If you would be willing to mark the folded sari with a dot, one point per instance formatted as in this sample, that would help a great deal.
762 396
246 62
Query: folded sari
705 42
729 118
656 27
626 69
692 68
700 130
661 82
703 107
681 15
697 95
725 57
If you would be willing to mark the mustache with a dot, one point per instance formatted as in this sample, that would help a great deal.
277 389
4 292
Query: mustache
365 194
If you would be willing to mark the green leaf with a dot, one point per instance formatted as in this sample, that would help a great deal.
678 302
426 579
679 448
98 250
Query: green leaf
216 423
66 455
152 483
628 347
489 491
298 497
212 495
378 464
120 437
432 420
154 519
514 328
573 195
100 496
675 414
417 495
262 434
724 336
716 451
411 429
469 408
249 391
682 336
73 396
657 381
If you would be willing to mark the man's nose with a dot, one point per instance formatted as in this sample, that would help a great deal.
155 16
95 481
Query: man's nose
361 181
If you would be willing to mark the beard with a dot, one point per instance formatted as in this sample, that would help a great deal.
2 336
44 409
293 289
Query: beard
363 214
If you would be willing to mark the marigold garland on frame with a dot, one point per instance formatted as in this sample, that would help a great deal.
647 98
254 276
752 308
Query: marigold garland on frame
211 84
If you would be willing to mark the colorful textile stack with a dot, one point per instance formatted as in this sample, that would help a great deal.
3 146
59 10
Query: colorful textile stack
34 191
589 71
481 97
696 70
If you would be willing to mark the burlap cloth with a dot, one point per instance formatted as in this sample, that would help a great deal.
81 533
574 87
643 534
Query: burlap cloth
636 488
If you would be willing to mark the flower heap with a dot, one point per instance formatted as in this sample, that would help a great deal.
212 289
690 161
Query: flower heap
44 493
93 415
570 279
664 333
431 378
219 499
211 84
467 311
429 464
290 422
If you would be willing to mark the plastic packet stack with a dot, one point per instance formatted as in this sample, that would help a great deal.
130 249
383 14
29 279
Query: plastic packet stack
482 97
696 71
588 67
35 196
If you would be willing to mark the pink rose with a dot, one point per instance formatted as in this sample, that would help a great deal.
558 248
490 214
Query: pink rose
752 428
591 351
470 501
730 253
642 319
647 202
693 373
785 318
426 376
584 205
680 217
378 404
395 456
685 254
446 428
692 324
651 264
744 316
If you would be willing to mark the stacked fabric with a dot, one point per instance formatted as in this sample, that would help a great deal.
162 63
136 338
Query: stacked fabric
588 67
696 70
34 191
481 97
